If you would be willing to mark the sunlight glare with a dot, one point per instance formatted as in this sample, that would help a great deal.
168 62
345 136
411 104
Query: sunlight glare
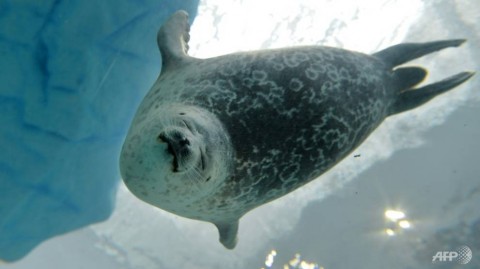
405 224
390 232
394 215
270 258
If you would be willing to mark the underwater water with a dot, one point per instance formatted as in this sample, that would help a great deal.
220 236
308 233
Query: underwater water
412 189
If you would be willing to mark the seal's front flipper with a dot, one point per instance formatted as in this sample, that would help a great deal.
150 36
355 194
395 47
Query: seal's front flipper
402 53
173 39
228 233
415 97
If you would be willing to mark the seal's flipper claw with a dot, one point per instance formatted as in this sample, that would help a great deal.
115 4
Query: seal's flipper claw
173 39
402 53
228 233
416 97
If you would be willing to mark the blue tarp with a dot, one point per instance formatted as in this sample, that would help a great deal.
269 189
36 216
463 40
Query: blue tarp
72 74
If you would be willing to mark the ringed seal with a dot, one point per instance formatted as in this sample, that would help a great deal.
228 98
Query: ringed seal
215 138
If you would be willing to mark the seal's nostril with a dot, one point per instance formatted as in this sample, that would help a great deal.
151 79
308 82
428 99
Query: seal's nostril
184 142
176 135
162 138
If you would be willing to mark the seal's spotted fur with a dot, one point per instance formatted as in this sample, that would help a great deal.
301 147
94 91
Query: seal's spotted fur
287 116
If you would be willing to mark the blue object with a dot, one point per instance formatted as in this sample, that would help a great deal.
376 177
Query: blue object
72 74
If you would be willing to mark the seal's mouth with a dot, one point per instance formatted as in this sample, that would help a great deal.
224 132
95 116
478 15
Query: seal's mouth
175 144
186 153
175 158
202 159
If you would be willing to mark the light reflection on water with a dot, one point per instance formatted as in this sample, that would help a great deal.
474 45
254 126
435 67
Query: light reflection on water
295 263
396 222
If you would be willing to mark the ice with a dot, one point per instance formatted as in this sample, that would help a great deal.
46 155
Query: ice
72 74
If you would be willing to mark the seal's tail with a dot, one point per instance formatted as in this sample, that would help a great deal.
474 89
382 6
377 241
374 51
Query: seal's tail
408 77
402 53
413 98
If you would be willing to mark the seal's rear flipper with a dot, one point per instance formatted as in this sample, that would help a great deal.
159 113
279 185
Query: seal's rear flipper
408 77
228 233
402 53
415 97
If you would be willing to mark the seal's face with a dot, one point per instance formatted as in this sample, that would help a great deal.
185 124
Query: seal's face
185 147
176 156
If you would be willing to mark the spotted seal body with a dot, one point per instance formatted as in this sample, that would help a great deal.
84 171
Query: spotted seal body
215 138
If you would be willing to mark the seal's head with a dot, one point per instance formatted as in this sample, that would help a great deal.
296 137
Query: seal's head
175 156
